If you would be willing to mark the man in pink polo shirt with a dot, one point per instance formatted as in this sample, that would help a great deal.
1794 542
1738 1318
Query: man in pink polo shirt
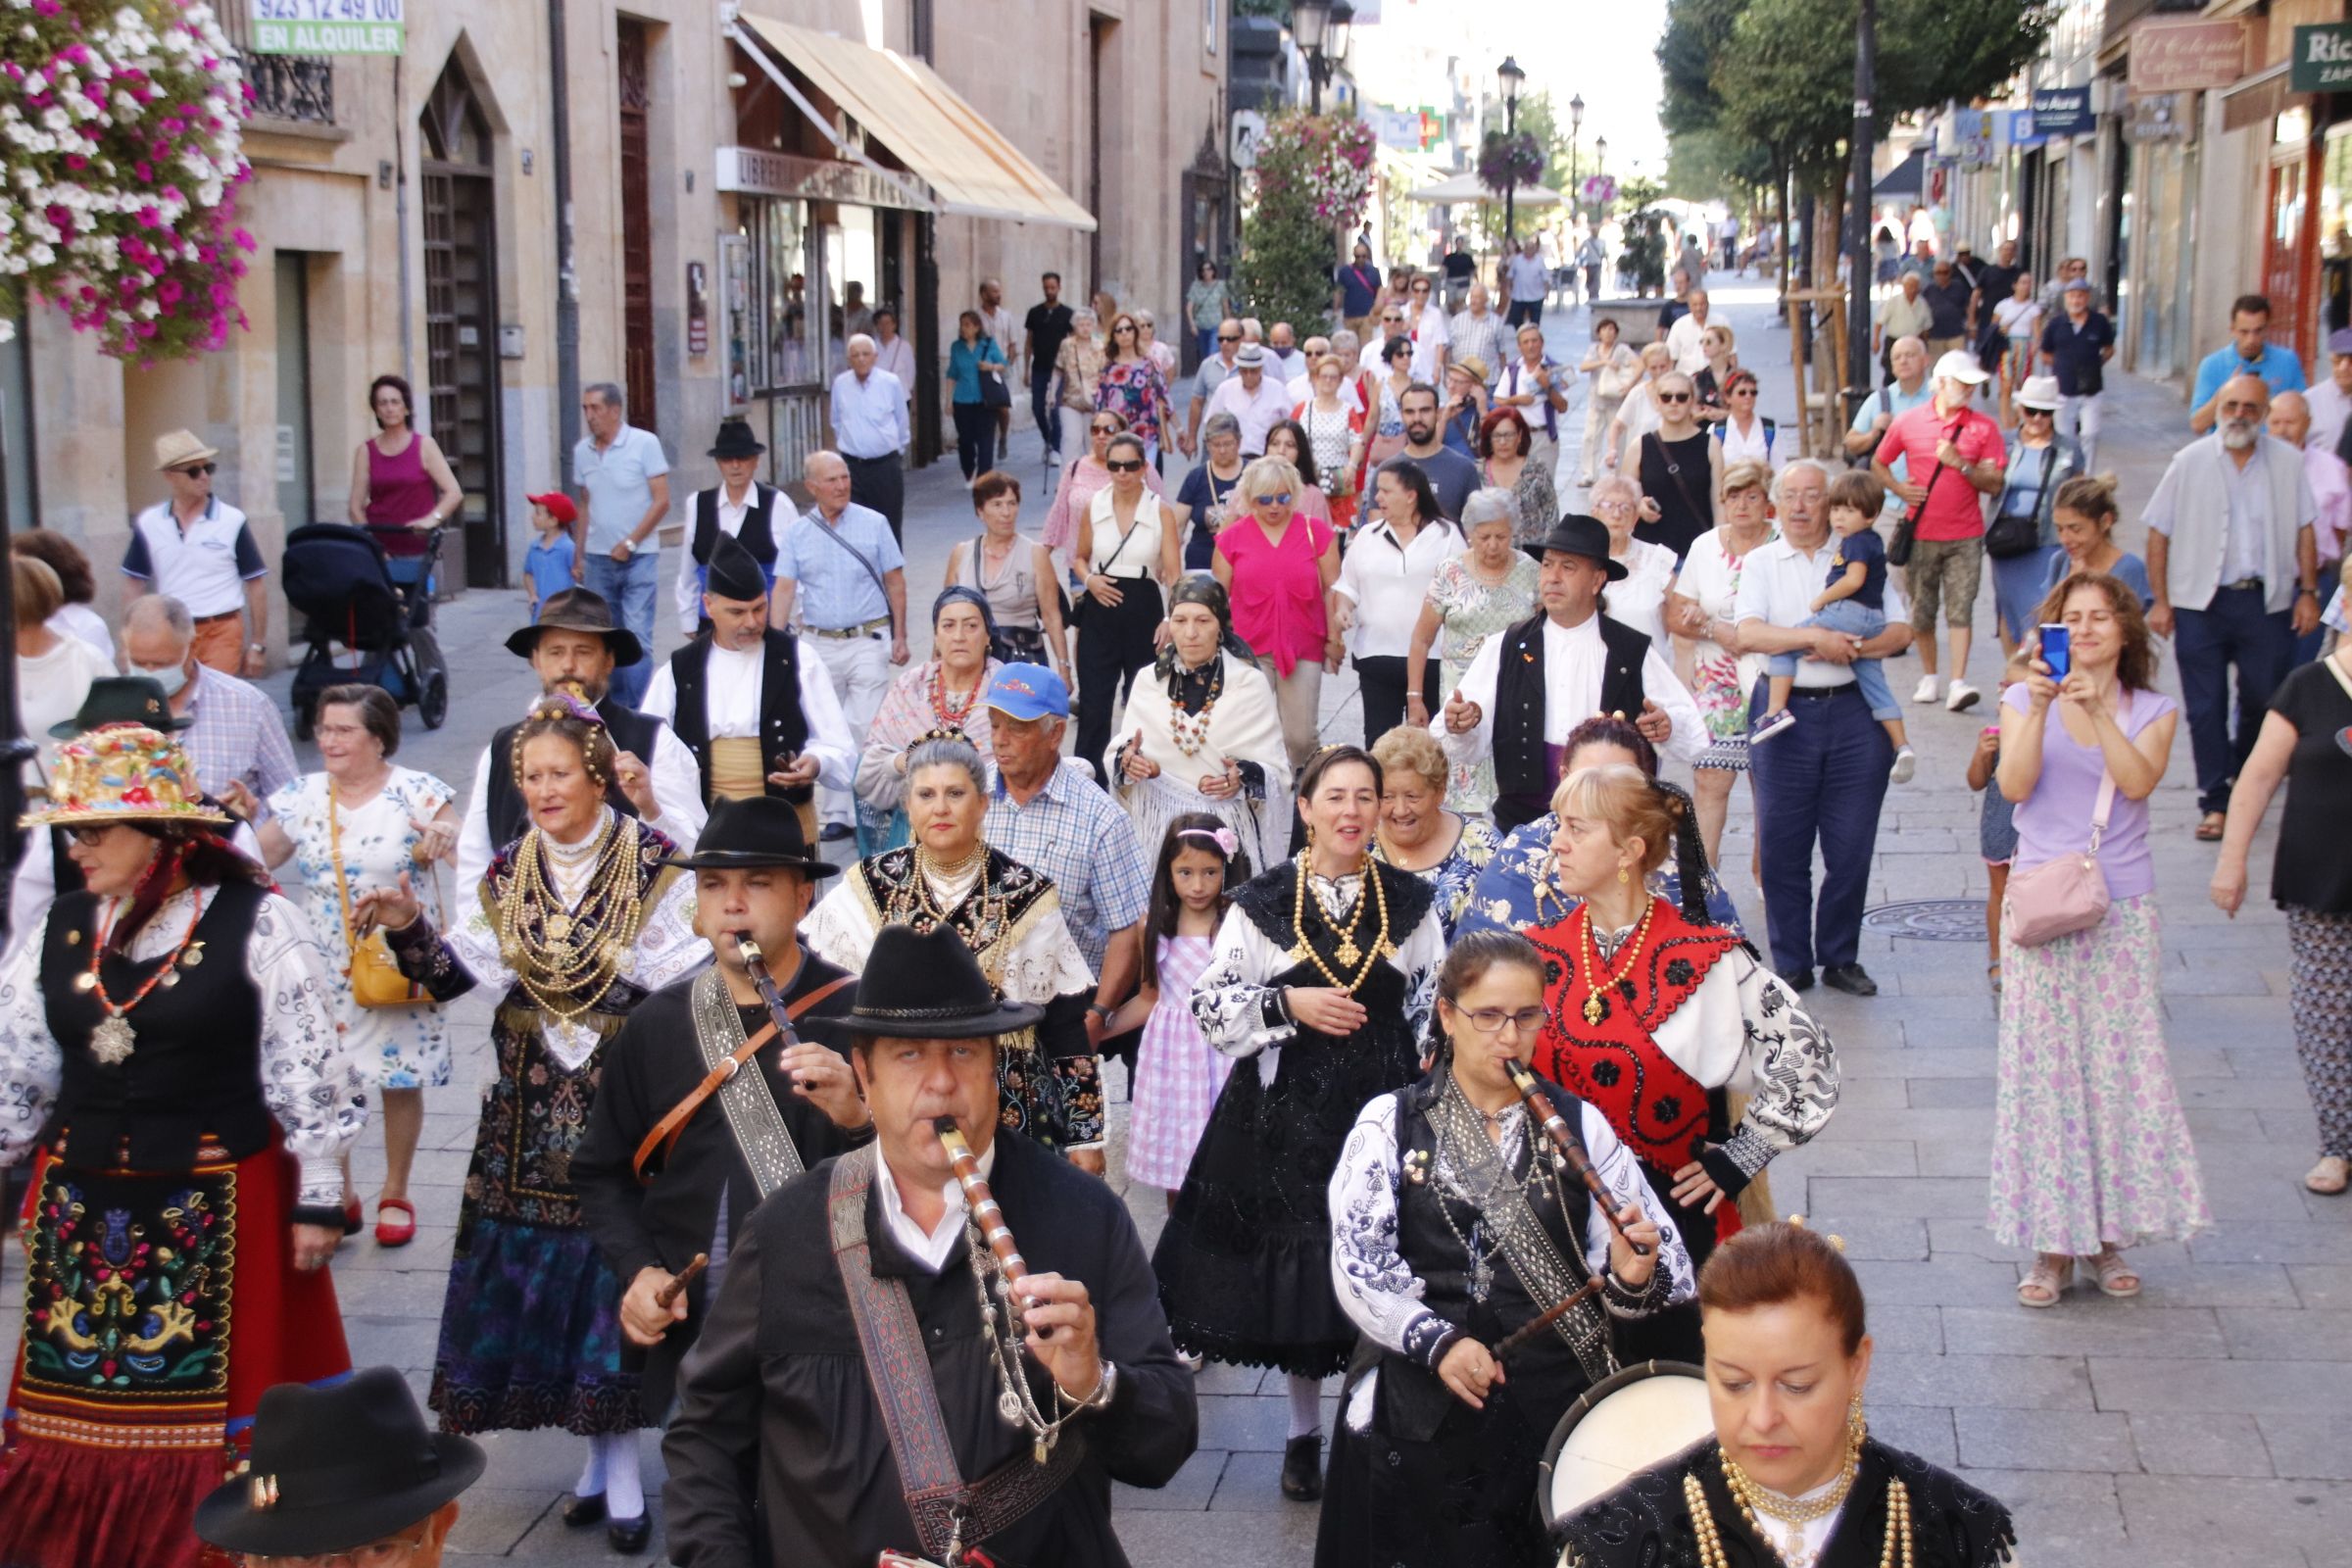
1951 457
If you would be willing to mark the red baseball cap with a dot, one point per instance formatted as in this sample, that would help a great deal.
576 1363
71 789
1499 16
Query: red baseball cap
558 506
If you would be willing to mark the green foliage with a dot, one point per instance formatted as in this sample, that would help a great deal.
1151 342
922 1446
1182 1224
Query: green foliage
1312 176
1708 165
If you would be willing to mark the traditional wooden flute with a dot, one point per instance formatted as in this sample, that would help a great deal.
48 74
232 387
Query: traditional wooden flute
1534 1328
754 964
985 1211
1539 1108
669 1294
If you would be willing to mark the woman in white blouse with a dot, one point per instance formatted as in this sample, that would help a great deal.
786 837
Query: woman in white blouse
1638 414
1746 436
1383 582
1641 599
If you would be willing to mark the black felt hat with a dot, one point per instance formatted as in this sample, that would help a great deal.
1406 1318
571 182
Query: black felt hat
924 985
338 1468
734 572
735 439
1578 535
759 830
578 609
122 699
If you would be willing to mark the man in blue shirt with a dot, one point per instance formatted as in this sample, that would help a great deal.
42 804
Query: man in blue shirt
870 429
839 565
617 551
2077 345
2249 352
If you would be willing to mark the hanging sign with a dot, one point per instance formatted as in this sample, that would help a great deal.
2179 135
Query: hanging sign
2062 112
2322 61
329 27
2186 56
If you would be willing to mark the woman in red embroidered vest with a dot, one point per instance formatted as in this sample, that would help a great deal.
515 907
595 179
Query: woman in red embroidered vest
1668 1025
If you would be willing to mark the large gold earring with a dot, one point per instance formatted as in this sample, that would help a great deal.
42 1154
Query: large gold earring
1856 1429
1624 877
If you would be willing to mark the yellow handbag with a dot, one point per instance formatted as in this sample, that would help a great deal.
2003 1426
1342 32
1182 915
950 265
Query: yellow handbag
375 977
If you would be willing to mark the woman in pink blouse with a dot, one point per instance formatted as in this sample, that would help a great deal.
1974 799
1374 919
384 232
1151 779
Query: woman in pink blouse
1279 564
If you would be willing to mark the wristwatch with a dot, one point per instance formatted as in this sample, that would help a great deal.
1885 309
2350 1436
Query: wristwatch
1105 1013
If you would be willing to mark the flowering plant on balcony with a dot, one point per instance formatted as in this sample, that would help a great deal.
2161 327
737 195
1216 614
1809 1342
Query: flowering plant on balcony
119 132
1508 163
1323 160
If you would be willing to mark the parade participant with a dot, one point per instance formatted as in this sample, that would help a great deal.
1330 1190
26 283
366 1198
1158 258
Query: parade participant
851 1401
935 700
739 507
342 1473
1419 832
181 1115
1668 1024
1535 682
1486 589
574 646
1319 989
1516 890
1453 1228
578 918
1205 735
1792 1475
760 715
1009 916
674 1162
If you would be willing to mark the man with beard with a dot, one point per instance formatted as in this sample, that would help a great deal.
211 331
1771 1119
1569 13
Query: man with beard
575 644
1450 474
676 1156
758 717
2235 569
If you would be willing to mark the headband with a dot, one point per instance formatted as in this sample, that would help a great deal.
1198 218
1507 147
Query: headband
1224 838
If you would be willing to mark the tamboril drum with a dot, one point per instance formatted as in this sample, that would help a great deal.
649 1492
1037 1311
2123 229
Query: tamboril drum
1640 1417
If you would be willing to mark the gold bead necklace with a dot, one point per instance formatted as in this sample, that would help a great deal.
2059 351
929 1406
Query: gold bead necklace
1347 952
565 960
1595 975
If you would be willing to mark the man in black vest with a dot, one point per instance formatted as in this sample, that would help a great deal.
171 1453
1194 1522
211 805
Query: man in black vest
1531 684
758 719
738 507
576 644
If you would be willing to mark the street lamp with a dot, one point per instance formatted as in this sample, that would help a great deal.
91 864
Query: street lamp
1576 121
1507 77
1319 27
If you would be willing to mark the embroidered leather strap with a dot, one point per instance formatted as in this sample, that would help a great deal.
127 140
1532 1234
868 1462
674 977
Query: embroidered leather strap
947 1515
764 1141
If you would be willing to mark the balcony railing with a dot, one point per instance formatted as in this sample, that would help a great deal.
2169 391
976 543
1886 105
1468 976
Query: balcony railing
290 87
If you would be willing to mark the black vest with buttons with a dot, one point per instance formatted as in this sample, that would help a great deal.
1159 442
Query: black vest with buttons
1523 780
783 727
195 1067
757 534
631 731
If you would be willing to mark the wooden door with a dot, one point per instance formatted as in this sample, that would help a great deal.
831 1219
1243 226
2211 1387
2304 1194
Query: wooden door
461 320
636 232
2286 255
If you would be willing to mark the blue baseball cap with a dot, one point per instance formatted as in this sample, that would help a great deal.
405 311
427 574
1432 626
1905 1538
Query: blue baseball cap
1029 691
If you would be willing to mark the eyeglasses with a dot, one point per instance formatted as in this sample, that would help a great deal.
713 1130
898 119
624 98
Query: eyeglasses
90 836
1278 498
1222 338
1489 1020
375 1554
1106 429
1397 317
1124 464
1674 397
198 470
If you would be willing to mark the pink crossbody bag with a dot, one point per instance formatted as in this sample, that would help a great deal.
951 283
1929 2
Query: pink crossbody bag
2061 897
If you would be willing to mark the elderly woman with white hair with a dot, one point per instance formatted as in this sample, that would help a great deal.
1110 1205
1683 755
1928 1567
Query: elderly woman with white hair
1471 597
1079 362
1640 599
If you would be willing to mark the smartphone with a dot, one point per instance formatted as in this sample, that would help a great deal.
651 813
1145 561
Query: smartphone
2057 650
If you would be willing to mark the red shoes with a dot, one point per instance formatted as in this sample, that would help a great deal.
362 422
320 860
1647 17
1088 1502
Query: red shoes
391 1232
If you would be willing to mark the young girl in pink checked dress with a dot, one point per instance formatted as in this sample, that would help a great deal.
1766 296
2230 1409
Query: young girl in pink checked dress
1176 1074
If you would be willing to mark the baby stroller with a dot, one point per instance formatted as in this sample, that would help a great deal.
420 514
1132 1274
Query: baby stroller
378 609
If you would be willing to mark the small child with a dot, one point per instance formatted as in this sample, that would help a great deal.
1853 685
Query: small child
1854 602
1996 840
547 564
1178 1074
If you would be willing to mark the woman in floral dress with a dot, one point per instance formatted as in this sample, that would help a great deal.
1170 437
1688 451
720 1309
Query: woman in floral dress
386 820
1474 595
1417 833
1700 608
1132 386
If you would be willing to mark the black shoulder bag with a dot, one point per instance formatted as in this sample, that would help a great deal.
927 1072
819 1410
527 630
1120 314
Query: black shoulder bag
2010 535
1906 532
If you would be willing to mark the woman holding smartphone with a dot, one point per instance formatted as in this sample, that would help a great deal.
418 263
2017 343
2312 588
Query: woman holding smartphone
2090 1151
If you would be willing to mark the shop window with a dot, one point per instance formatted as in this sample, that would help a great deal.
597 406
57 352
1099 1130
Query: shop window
783 346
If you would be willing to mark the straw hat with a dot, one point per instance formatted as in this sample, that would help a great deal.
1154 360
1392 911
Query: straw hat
176 449
125 773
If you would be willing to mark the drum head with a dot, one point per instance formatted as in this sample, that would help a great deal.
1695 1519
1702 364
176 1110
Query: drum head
1641 1417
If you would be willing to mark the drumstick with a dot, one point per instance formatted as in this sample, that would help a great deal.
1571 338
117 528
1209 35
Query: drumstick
1540 1106
667 1295
1528 1332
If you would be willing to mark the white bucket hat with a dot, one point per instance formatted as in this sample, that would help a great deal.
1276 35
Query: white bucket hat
2038 392
1958 365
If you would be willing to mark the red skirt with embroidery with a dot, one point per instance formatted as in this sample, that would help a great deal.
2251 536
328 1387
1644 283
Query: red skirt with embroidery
158 1305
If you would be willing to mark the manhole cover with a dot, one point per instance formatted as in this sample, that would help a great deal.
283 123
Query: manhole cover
1930 920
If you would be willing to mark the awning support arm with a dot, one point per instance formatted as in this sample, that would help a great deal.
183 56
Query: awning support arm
922 199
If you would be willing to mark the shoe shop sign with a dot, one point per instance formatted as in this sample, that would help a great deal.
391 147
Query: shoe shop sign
2323 59
329 27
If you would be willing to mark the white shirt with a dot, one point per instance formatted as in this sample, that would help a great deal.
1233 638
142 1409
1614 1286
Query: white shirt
730 522
1778 586
998 324
80 620
898 358
932 1248
1750 445
1573 660
1386 583
1285 365
1430 334
869 417
1259 413
204 567
733 684
2330 408
1529 278
1682 341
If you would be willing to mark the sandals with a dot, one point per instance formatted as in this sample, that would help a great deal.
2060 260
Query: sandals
2046 1281
1992 976
391 1234
2330 1177
2116 1277
2209 827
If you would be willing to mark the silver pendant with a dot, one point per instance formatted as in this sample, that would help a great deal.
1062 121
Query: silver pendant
112 1041
1009 1408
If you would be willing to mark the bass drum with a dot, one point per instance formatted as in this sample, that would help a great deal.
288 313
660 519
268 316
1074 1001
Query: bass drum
1635 1419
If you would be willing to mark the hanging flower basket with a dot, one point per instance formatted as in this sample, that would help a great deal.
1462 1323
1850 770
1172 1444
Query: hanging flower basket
1324 159
1509 163
120 130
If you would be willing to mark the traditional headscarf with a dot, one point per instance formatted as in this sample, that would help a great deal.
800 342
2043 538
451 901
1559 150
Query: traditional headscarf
971 596
1200 588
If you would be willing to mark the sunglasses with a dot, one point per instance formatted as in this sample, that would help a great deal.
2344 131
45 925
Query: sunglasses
1674 397
1106 429
1279 498
2042 413
198 470
1129 326
1222 338
1124 464
1744 392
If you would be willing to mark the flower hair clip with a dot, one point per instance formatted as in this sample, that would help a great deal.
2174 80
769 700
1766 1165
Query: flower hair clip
572 704
1228 841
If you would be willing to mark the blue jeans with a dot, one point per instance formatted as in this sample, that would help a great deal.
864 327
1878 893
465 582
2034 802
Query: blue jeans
1824 779
1855 620
2233 628
630 587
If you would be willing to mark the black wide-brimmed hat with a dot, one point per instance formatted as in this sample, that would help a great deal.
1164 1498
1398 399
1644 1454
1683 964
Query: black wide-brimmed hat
734 572
924 985
1578 535
578 609
122 699
758 831
338 1468
735 439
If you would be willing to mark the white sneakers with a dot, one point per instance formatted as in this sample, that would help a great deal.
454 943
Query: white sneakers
1962 698
1906 763
1926 691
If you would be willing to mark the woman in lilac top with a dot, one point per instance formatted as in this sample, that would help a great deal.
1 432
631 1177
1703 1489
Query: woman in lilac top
2090 1152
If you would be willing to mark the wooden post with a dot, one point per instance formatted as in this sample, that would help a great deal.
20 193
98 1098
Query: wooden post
1821 404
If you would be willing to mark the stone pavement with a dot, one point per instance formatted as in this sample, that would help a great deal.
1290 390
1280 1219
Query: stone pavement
2123 1433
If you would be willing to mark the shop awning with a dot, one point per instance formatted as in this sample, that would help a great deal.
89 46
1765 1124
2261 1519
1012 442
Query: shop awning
1907 178
972 168
1466 187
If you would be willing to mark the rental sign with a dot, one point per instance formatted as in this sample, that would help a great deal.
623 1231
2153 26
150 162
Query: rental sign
2323 59
329 27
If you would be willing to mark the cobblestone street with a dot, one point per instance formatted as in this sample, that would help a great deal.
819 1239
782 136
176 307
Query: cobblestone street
2204 1422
